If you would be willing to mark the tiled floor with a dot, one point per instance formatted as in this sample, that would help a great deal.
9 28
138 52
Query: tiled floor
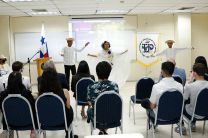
82 128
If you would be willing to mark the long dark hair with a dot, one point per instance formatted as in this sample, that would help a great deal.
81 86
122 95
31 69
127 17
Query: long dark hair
49 82
83 68
15 85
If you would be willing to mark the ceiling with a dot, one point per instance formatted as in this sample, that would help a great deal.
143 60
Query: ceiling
98 7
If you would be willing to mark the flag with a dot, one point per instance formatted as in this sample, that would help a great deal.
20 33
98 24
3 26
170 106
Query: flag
44 46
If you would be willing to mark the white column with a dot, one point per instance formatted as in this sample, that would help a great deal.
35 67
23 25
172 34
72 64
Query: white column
183 39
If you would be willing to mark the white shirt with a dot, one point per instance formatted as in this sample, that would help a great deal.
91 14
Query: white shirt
106 56
5 69
170 53
69 54
190 91
161 87
1 84
25 82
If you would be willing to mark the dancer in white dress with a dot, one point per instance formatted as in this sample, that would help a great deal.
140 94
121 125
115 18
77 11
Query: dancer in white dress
120 62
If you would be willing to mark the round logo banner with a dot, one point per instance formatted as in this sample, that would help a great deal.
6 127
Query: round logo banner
146 48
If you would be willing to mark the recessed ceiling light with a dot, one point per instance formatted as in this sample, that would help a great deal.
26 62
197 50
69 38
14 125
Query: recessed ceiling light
111 11
44 13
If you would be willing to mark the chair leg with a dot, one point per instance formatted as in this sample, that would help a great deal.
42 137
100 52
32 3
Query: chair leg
189 125
180 126
134 114
116 130
121 128
91 128
147 129
204 127
76 111
153 131
172 131
7 134
130 108
44 134
17 134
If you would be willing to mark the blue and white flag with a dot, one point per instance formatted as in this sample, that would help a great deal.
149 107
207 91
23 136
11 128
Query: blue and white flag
44 46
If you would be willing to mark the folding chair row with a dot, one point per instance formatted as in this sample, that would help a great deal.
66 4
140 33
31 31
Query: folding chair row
50 111
170 106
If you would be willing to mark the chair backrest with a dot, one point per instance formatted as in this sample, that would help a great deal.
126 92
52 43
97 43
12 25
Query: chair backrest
178 79
170 105
201 102
108 109
81 89
144 88
51 114
18 113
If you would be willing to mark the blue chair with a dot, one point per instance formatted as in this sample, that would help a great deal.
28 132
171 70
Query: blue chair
51 114
169 111
18 114
143 91
200 109
108 111
178 79
81 91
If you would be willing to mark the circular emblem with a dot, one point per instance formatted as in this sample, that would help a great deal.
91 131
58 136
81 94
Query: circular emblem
147 48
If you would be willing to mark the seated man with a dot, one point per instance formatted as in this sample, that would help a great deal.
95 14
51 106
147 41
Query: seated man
164 85
17 66
103 70
191 90
177 72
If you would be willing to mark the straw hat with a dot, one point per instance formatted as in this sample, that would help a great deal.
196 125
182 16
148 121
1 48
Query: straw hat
170 41
3 57
69 39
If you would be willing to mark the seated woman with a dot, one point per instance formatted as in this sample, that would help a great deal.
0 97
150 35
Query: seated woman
83 71
61 77
15 86
103 70
49 83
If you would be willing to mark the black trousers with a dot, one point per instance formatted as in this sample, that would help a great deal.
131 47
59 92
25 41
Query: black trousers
69 68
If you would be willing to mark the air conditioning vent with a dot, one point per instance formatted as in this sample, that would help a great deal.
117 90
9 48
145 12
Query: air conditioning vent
39 10
186 8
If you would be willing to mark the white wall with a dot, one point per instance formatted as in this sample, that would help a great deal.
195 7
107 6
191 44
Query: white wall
199 26
5 35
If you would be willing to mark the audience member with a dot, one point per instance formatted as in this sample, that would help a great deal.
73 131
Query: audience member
17 66
49 82
103 70
191 91
83 71
4 67
177 72
16 86
202 60
61 77
164 85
